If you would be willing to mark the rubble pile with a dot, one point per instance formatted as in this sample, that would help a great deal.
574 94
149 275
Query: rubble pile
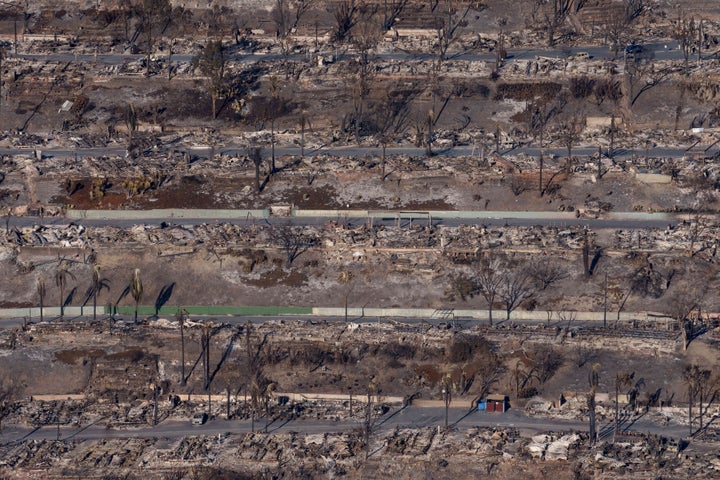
231 239
337 455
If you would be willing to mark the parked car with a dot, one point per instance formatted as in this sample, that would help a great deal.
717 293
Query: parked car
199 418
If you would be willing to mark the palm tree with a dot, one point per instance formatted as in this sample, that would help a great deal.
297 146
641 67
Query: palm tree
41 294
622 380
136 289
97 284
594 380
61 275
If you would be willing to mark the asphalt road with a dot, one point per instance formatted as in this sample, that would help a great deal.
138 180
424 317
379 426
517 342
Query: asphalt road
356 151
505 219
410 417
661 50
463 323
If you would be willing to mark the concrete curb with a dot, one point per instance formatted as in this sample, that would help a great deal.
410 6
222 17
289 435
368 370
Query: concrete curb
353 314
210 214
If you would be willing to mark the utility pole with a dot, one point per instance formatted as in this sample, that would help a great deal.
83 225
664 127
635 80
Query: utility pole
202 352
206 354
180 316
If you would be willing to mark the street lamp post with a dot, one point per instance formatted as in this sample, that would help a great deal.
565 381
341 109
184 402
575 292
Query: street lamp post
447 397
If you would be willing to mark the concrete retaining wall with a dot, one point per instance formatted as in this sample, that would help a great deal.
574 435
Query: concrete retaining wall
58 397
166 214
338 397
455 403
498 315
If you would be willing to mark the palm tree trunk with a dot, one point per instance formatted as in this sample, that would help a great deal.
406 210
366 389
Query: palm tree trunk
182 353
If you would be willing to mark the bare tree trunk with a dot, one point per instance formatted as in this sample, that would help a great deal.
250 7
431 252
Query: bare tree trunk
428 146
617 409
612 137
690 405
700 406
605 303
540 185
591 412
302 136
384 147
272 147
368 422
